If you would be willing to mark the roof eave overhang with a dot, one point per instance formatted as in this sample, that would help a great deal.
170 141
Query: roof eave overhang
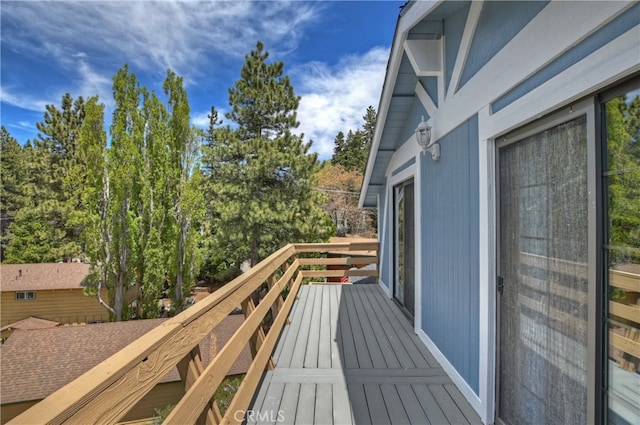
412 14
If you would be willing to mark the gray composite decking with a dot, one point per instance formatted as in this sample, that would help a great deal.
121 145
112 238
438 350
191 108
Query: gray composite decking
349 356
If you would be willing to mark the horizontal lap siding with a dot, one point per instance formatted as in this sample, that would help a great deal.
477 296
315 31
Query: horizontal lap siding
450 283
65 306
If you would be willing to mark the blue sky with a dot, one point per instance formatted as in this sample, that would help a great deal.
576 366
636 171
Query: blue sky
335 52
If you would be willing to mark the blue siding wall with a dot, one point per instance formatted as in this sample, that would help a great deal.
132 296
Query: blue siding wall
499 22
450 232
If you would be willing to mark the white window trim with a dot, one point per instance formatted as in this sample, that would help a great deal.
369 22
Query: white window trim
488 244
26 296
407 152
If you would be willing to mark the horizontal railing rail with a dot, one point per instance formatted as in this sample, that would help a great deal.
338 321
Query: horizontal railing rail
106 393
325 261
623 312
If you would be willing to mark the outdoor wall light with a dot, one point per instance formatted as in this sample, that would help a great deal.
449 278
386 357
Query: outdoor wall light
423 137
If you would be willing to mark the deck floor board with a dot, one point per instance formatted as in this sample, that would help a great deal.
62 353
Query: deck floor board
349 356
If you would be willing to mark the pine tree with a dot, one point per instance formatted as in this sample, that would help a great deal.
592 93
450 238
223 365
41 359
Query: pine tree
47 227
260 174
339 149
59 135
368 130
12 198
353 152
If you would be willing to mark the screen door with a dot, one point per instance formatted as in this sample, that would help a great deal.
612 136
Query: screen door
542 289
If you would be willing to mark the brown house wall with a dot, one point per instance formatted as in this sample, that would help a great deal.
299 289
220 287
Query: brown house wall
158 398
10 411
66 306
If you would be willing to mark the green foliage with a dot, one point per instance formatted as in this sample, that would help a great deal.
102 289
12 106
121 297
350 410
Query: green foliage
226 391
623 162
184 181
12 197
48 189
259 174
143 198
352 153
162 414
13 173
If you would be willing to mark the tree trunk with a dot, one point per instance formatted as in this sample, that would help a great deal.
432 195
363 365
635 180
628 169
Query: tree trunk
255 248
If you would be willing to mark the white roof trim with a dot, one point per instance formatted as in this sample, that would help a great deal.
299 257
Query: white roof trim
406 21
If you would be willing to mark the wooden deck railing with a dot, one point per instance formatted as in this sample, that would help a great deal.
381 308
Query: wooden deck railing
266 293
624 319
624 313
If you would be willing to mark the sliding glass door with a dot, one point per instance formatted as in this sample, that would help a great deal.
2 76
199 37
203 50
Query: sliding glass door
621 184
404 246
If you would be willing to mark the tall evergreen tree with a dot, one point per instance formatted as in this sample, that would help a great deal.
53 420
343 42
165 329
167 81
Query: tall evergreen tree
59 135
339 149
11 176
352 153
47 228
368 130
260 174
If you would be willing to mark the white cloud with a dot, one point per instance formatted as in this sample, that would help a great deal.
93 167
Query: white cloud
179 35
200 120
92 82
336 98
32 103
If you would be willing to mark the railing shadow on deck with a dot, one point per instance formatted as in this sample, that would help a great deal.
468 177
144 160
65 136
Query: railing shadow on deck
266 293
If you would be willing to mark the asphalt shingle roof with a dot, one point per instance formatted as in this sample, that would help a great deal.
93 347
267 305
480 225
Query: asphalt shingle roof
31 323
35 363
42 276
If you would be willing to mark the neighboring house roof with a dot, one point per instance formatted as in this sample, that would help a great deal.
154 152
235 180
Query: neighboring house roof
42 276
30 323
36 363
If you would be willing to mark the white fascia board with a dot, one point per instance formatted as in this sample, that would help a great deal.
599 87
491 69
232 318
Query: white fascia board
465 46
383 109
416 13
428 103
545 38
406 22
609 64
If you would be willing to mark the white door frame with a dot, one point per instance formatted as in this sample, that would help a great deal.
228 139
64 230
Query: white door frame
408 151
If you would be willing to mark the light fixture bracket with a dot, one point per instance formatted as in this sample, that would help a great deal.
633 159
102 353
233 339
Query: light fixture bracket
423 138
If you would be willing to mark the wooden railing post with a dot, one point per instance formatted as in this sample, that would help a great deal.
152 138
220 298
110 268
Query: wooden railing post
190 368
248 306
